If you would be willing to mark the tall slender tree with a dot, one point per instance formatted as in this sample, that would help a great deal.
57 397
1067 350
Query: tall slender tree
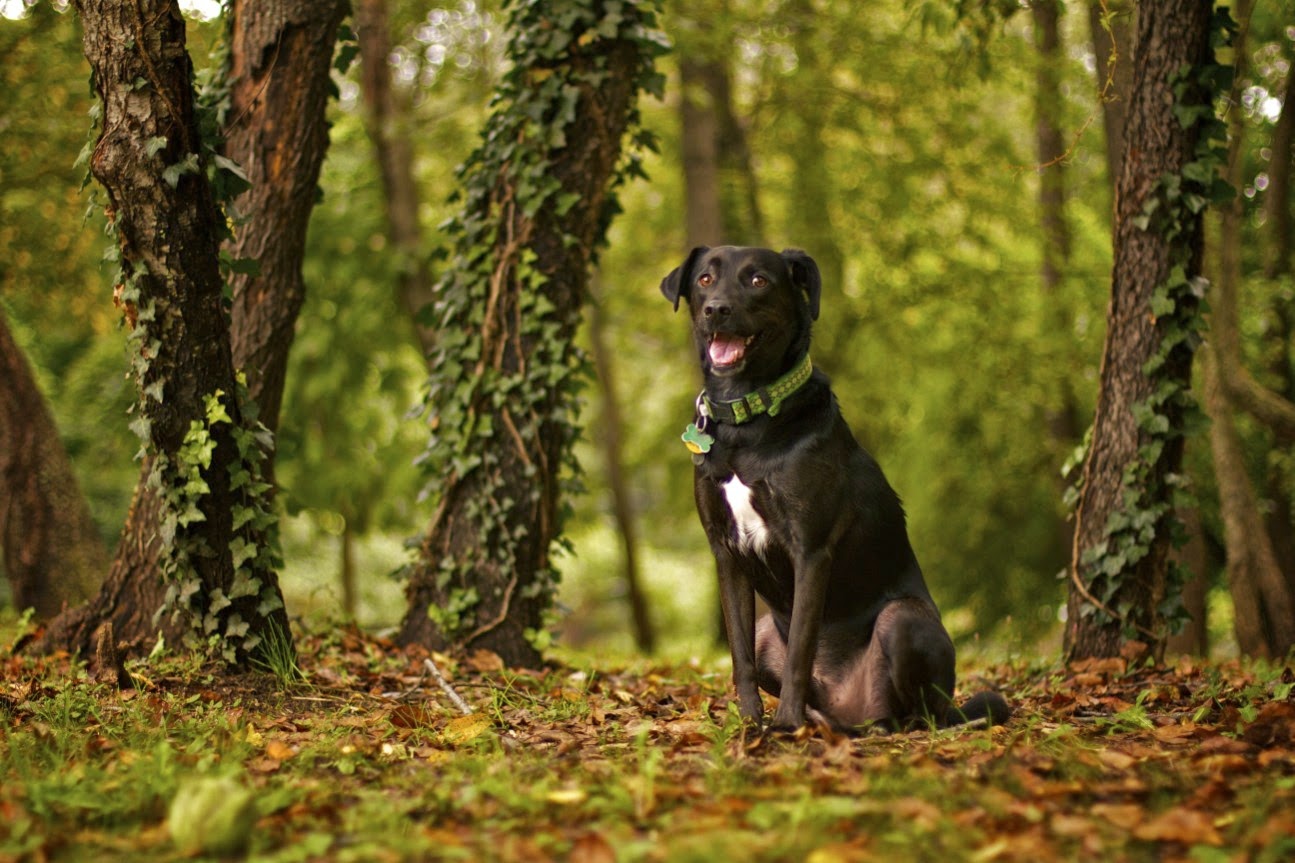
386 118
1120 580
1051 153
537 200
721 196
814 190
611 437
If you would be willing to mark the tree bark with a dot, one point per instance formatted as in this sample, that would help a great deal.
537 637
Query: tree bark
1171 36
386 118
486 555
277 133
131 597
1112 41
1194 556
1264 609
52 554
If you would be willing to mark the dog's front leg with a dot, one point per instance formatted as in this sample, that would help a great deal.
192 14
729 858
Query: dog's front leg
809 595
737 598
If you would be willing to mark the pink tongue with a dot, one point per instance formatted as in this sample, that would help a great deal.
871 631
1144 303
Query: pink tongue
726 350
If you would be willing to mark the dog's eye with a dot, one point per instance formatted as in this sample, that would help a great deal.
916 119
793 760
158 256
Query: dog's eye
705 280
758 281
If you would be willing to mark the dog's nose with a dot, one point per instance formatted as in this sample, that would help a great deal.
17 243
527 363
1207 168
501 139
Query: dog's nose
722 310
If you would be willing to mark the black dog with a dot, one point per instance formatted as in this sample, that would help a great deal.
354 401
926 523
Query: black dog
797 511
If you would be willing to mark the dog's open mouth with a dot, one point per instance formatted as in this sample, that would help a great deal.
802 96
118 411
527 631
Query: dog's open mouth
727 349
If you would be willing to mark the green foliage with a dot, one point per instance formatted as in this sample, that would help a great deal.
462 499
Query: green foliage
278 656
1152 496
507 183
181 481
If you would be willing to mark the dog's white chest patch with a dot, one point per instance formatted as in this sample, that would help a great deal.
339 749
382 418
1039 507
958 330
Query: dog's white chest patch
752 532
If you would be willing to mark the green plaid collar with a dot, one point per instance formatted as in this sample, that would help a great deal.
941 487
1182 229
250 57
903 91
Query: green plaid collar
766 400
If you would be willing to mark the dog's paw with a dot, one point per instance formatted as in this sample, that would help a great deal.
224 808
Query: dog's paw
787 721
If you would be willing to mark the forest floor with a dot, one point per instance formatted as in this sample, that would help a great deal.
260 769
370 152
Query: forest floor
369 760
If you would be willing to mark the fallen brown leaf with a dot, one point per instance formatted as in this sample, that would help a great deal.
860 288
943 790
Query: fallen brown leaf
1126 816
1182 825
278 750
592 847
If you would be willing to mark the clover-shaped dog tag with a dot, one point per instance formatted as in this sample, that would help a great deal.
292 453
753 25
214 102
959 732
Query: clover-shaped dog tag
697 441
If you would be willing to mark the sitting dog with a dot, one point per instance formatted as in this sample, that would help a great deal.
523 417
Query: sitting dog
796 511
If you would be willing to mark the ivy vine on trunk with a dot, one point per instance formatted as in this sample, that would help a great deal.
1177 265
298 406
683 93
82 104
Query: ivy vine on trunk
1123 588
201 515
537 196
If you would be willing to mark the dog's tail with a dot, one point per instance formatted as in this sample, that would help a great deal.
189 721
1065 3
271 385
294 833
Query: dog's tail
986 707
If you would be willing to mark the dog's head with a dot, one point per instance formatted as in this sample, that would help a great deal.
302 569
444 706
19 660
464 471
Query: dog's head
751 309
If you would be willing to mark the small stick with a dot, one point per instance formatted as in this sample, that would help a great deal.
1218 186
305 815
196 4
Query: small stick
447 689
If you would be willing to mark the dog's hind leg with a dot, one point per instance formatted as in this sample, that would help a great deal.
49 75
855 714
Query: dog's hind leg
905 673
770 655
921 659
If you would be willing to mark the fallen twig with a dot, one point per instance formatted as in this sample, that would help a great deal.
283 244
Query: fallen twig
454 697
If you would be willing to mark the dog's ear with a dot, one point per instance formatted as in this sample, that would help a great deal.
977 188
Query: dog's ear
805 275
678 285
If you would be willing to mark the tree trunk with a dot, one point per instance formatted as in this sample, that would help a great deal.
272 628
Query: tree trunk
1264 609
720 186
348 570
537 204
699 142
1050 144
813 188
1122 534
1194 557
132 597
611 429
1111 32
52 554
1112 37
386 118
1277 266
277 132
198 529
1061 416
